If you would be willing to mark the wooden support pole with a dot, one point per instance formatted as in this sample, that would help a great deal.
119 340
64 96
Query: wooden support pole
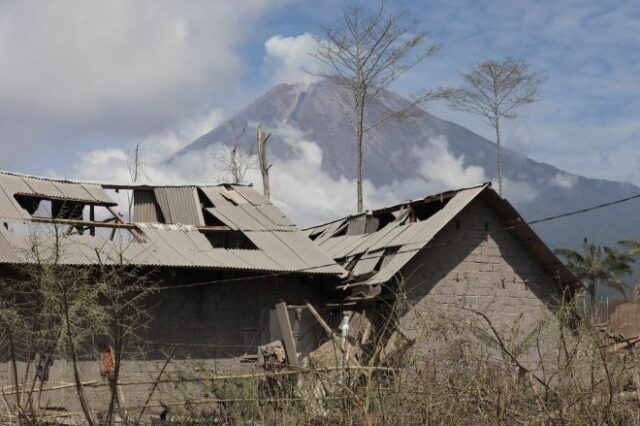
321 321
92 218
109 223
75 222
287 334
135 233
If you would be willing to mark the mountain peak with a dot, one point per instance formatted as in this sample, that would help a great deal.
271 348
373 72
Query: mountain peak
420 148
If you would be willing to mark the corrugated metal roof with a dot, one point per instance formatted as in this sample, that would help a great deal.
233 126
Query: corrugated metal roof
368 248
43 187
178 243
214 194
231 193
256 260
367 263
329 231
251 195
54 189
417 235
14 185
7 252
277 250
357 225
178 246
276 216
73 191
9 207
312 255
145 208
236 218
392 266
98 194
389 239
180 205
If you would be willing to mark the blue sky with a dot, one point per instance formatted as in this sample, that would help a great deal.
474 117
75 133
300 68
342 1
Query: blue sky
83 76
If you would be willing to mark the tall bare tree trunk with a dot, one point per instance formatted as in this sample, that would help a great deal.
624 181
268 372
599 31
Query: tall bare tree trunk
499 156
359 142
262 160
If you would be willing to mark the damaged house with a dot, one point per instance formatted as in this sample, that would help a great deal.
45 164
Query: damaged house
235 274
227 261
449 254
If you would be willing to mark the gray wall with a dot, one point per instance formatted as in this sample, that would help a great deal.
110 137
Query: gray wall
493 274
211 326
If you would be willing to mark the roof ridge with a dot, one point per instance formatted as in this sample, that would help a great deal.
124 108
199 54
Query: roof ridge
119 185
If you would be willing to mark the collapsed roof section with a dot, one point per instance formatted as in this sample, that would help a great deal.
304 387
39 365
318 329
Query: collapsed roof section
375 246
217 227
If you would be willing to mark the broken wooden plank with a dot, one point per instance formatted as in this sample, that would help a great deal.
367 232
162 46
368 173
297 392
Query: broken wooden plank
321 321
287 333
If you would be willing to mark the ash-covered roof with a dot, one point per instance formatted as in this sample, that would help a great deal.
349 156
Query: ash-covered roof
374 246
213 226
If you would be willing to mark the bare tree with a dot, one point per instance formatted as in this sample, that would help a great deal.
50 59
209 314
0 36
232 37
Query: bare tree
134 165
234 163
494 90
365 54
262 159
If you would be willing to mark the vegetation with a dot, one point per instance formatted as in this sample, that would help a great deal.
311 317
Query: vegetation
571 378
365 53
596 266
53 311
494 90
471 371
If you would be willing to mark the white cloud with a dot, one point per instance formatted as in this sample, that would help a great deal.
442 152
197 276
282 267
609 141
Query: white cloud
563 180
299 185
441 167
154 149
290 56
83 70
518 191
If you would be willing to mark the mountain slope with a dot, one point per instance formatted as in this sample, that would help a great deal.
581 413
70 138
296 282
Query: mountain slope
424 147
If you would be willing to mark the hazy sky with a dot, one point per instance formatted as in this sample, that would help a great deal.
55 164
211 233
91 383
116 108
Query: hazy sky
93 76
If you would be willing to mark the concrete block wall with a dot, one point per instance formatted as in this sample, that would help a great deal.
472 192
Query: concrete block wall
491 273
210 326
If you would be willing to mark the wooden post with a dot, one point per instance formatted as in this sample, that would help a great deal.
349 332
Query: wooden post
92 218
262 160
287 334
119 219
